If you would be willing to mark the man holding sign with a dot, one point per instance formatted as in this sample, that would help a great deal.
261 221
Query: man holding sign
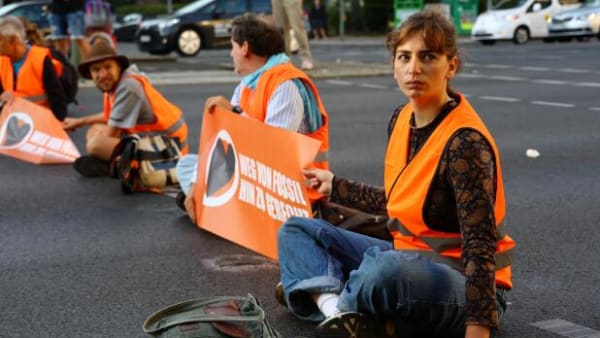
272 91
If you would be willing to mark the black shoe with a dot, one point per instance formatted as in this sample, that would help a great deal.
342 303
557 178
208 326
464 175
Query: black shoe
89 166
347 325
180 200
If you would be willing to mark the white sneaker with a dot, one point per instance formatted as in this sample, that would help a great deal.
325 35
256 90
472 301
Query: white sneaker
307 65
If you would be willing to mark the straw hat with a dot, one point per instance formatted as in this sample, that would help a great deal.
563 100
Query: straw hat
101 51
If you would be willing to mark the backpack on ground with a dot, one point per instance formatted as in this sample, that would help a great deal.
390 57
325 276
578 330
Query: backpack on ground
146 163
67 74
97 13
226 317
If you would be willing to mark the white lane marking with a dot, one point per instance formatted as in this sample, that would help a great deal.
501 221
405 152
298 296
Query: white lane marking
371 85
497 66
472 76
506 78
573 70
532 68
554 104
499 98
588 84
535 69
551 57
566 329
549 81
340 82
594 108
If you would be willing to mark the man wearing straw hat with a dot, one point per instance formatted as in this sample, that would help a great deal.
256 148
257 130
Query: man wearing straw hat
131 106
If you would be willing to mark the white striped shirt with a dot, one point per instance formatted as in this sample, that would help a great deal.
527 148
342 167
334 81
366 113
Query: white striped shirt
285 108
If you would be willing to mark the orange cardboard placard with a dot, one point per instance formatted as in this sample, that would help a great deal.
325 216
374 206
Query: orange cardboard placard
31 133
250 180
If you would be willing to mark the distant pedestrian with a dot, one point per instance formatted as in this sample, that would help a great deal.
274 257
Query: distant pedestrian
318 20
288 15
67 22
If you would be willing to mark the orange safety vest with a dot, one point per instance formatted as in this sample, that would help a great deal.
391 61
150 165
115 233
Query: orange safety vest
255 103
29 83
407 185
169 118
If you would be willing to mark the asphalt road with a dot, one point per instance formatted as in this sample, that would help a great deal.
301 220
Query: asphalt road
80 259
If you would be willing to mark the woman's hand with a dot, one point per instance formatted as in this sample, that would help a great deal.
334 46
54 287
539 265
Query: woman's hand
319 180
477 331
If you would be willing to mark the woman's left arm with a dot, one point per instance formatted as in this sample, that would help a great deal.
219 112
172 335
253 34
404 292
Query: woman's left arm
471 172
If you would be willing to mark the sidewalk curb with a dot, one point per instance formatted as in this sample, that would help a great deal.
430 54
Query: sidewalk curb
323 70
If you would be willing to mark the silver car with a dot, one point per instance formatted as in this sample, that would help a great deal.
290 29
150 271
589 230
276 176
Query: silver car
581 23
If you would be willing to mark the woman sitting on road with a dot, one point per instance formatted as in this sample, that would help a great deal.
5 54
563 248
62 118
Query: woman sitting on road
448 271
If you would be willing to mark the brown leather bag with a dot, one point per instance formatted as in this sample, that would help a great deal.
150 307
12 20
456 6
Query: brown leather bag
354 220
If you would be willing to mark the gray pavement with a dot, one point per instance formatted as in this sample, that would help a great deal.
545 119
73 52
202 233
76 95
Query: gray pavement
80 259
223 72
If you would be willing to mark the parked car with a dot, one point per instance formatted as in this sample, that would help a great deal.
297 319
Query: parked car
517 20
200 24
35 11
126 28
581 23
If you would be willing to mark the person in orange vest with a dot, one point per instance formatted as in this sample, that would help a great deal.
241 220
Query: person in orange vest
27 71
272 90
131 106
448 270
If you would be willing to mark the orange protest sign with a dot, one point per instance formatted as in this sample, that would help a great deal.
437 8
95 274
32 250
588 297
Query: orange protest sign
249 179
30 132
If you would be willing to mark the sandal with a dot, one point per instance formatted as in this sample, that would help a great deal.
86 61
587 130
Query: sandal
347 325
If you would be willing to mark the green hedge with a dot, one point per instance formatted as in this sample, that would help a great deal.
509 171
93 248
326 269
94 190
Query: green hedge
377 14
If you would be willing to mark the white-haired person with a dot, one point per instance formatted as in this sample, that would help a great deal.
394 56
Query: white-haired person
27 71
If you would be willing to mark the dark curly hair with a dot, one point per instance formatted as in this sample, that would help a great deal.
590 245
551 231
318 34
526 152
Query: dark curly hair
264 38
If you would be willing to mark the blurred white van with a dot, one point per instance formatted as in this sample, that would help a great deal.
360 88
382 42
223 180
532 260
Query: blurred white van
517 20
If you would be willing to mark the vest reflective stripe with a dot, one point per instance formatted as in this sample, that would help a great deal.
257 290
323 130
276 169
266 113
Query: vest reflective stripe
37 98
29 83
175 126
168 117
442 244
407 185
255 103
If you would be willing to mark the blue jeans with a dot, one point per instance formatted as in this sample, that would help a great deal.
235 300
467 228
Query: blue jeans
422 297
65 24
186 166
